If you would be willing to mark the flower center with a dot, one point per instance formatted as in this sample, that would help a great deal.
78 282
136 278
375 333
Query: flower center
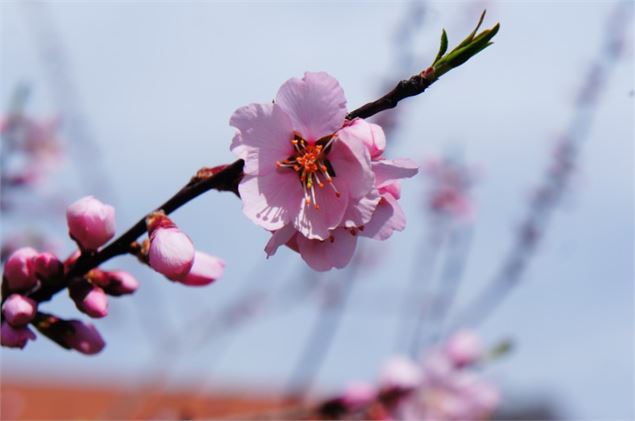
309 161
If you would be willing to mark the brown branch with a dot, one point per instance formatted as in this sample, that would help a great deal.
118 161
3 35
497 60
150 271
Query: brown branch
224 178
406 88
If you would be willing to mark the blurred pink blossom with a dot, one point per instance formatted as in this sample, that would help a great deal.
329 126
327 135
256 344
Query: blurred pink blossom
449 193
47 265
116 282
464 347
90 222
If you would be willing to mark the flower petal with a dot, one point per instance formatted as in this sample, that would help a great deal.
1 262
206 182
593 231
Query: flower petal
316 104
264 137
316 223
388 170
351 162
278 238
331 253
271 200
388 217
360 212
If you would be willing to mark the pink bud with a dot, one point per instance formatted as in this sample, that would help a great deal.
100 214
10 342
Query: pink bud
205 270
171 251
358 394
90 222
464 347
89 299
18 310
47 265
12 337
83 337
400 373
119 283
19 269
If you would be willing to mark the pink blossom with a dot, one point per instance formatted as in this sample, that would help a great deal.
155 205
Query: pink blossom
449 192
89 299
448 392
19 269
18 310
401 373
83 337
171 251
47 265
15 337
376 215
358 394
205 270
300 169
464 347
90 222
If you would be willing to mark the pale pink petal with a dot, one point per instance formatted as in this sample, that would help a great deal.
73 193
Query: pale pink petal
388 217
316 223
392 188
335 252
264 137
271 200
171 252
361 211
387 170
205 270
278 238
371 135
315 103
351 162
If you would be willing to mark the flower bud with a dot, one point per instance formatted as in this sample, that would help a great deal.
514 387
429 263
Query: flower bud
171 251
18 310
358 394
19 269
205 270
47 265
90 222
464 348
83 337
89 299
116 282
400 373
13 337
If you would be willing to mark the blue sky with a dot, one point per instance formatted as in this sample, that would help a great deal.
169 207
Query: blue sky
157 84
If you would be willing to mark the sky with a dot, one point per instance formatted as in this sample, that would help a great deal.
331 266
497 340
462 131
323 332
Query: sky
156 85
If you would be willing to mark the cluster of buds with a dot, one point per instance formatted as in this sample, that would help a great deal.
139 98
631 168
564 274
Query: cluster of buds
91 225
444 385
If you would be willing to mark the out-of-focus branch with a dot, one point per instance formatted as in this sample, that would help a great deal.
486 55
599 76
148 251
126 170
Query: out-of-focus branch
555 183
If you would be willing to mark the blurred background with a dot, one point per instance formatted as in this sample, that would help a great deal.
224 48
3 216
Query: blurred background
533 244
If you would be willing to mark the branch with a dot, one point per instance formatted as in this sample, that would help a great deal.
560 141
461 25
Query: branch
223 178
442 64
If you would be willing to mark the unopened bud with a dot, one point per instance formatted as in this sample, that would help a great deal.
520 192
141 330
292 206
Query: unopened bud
90 222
